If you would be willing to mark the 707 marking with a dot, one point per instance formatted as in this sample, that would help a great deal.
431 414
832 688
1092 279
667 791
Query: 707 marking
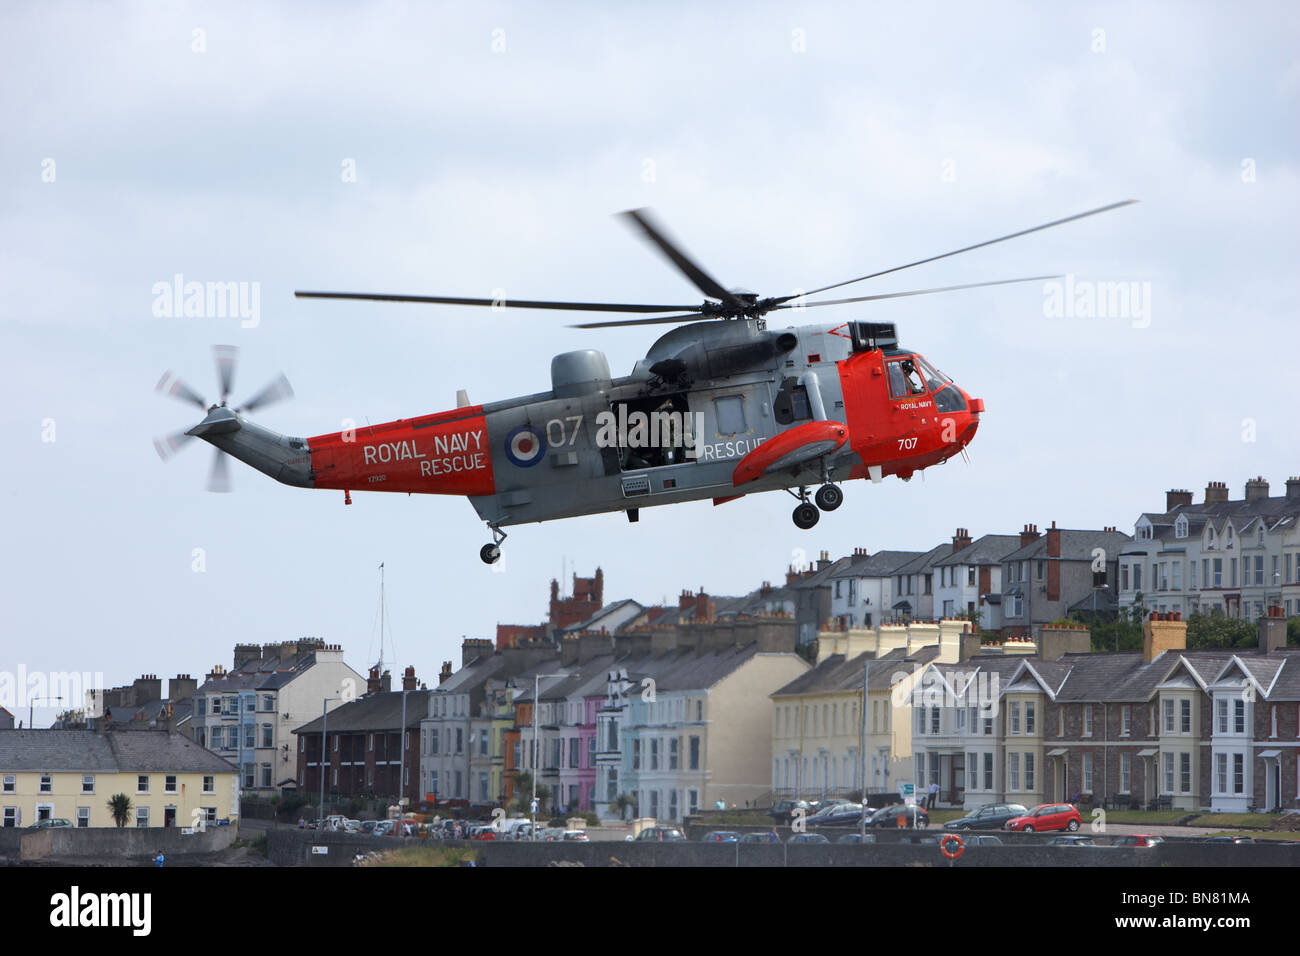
906 444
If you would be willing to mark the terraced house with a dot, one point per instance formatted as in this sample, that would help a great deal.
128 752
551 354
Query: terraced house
169 780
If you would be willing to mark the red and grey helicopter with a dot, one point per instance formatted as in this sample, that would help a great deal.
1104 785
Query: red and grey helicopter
721 407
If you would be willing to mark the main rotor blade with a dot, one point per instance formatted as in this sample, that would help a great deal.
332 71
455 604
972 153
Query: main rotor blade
171 384
657 320
278 390
499 303
899 295
219 477
702 280
227 357
168 446
978 245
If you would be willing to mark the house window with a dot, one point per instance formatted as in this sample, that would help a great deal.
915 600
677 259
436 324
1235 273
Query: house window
1029 771
266 775
972 771
268 740
1239 717
1185 715
83 818
169 783
1126 720
934 720
268 702
1087 722
636 754
1238 773
209 784
693 800
988 770
141 816
47 783
88 783
1029 717
142 783
10 783
1013 771
10 818
1125 773
654 753
1087 773
1221 715
250 734
1169 715
672 753
672 804
1169 773
573 752
695 753
1185 772
1015 718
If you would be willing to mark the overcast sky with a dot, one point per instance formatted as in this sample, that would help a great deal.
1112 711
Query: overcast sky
789 146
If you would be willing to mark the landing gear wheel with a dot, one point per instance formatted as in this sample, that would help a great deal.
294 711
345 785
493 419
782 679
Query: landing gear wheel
490 554
829 497
805 516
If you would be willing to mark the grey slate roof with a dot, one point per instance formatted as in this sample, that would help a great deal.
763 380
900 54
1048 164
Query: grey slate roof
380 712
1076 545
127 751
882 564
989 549
836 673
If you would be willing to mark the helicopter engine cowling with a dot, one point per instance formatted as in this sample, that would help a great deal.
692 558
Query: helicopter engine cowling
579 373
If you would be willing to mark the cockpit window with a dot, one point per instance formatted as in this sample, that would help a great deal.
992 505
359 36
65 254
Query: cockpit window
905 379
933 377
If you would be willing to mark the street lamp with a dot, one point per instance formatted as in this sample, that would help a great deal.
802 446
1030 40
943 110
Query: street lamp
31 703
532 806
325 716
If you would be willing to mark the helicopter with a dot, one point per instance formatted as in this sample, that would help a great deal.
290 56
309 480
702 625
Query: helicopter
722 406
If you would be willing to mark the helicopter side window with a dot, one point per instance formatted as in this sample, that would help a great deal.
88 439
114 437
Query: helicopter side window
651 431
791 403
731 414
904 379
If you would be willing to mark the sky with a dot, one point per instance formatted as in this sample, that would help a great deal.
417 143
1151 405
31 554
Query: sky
464 148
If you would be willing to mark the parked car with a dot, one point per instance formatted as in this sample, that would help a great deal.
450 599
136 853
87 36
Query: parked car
769 837
54 823
1230 839
991 817
783 810
808 838
817 806
984 839
1047 816
575 836
888 816
721 836
351 826
383 828
856 838
837 815
1138 839
659 835
1074 840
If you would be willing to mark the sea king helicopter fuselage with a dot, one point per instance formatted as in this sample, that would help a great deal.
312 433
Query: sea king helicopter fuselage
716 410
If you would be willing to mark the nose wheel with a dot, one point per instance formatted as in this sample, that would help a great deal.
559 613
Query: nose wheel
806 515
491 553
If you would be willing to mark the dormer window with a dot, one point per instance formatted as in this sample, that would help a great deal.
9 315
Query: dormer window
1180 527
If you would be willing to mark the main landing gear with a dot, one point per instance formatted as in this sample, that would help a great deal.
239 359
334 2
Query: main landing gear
491 553
806 514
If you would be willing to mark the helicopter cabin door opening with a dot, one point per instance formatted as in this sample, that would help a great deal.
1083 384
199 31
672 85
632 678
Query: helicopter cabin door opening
652 432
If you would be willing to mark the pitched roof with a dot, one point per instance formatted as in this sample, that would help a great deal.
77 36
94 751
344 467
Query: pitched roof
127 751
1076 545
836 673
880 564
989 549
382 711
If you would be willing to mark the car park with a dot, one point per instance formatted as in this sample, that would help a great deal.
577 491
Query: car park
991 817
721 836
1047 816
1138 839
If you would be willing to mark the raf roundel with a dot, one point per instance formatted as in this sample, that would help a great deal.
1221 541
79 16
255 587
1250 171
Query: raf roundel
525 446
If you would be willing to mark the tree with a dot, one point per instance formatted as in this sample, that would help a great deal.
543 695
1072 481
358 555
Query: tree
524 792
622 803
119 805
1216 631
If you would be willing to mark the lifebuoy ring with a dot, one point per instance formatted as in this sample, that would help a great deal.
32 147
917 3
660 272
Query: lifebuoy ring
951 846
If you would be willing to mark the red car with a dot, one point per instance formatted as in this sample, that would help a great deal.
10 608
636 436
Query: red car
1138 839
1047 816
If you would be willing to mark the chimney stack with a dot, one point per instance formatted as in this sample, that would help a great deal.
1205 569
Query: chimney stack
960 540
445 673
408 678
1272 631
386 681
1163 632
824 561
1293 488
1029 535
372 682
1216 491
1177 497
1256 488
1053 541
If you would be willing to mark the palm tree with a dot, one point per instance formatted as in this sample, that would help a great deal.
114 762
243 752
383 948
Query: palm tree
622 802
119 804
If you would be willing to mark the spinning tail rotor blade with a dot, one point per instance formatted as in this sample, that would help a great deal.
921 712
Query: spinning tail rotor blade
171 384
168 446
219 477
227 357
277 391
